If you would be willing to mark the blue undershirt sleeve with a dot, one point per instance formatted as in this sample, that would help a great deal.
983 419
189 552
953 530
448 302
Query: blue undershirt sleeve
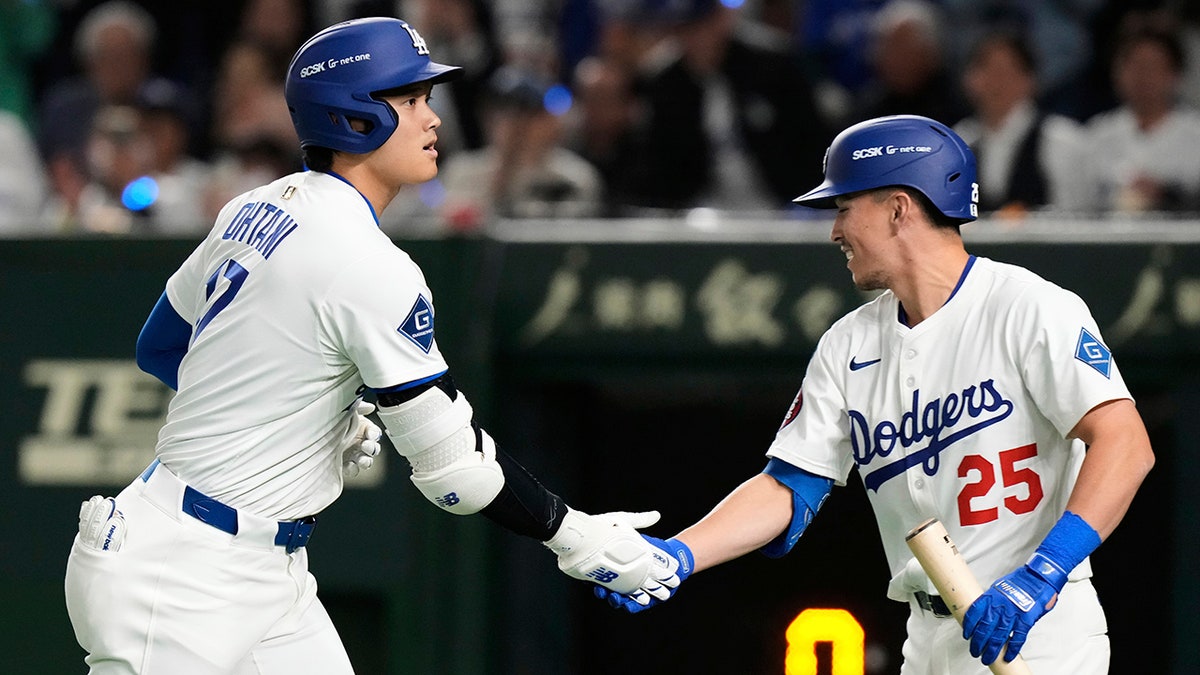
163 342
808 494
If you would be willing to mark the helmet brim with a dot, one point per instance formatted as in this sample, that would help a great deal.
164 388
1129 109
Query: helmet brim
437 73
825 195
820 197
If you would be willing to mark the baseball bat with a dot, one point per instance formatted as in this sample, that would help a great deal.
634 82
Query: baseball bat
955 582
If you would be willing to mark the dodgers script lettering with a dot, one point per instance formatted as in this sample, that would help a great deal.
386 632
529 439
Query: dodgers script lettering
961 415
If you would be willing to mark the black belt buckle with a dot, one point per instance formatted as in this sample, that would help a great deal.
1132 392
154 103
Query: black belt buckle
933 603
295 534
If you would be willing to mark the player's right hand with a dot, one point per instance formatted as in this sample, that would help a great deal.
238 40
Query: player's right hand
637 601
1006 612
607 550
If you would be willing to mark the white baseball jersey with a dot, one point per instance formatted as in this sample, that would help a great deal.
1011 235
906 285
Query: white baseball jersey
296 300
963 416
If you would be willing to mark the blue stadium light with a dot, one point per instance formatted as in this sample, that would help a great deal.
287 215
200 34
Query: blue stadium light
733 4
557 100
432 193
140 193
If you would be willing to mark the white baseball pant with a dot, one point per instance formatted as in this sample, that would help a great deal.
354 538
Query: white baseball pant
181 596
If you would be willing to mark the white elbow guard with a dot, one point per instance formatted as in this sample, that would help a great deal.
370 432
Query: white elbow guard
435 435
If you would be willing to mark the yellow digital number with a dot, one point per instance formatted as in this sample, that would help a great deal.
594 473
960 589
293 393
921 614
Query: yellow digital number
836 626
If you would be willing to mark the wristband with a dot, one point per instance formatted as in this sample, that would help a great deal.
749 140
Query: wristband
1068 543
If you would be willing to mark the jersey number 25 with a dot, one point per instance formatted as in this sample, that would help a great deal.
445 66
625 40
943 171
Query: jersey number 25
978 489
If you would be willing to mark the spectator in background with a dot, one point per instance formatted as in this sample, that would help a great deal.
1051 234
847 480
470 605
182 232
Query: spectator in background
247 99
1188 13
606 116
22 179
118 152
167 118
910 75
238 169
1144 155
113 44
834 37
26 30
1060 32
731 118
524 171
251 131
626 36
1026 158
279 26
465 33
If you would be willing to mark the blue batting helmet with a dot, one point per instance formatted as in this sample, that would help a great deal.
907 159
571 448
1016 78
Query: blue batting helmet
335 74
901 150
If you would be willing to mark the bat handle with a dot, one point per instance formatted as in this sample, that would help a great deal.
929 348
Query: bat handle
948 571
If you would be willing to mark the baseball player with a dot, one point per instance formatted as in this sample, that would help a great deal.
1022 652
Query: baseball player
970 390
271 331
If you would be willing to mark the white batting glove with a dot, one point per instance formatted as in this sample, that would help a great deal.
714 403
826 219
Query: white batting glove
101 524
606 549
361 443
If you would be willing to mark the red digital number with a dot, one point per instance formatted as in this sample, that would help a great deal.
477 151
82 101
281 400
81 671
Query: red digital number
1010 477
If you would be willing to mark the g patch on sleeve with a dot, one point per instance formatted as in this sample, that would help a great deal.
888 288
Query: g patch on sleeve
418 325
1092 352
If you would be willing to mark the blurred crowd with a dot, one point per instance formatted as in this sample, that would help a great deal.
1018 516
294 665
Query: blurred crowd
146 117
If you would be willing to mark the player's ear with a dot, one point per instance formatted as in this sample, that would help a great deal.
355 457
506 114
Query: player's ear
900 205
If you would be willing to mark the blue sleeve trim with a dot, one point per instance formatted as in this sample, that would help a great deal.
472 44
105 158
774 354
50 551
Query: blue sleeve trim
163 342
808 494
410 385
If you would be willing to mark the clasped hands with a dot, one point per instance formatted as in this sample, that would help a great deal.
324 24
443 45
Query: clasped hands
630 570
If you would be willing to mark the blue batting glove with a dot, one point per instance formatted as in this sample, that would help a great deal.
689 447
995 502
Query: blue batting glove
1007 611
640 600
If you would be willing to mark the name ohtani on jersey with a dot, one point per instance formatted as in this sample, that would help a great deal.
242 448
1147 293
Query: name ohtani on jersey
262 225
941 421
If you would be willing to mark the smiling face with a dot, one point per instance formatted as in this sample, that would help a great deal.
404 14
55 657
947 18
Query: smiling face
409 156
862 228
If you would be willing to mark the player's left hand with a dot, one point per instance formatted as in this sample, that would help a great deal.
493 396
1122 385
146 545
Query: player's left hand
1007 611
639 600
361 444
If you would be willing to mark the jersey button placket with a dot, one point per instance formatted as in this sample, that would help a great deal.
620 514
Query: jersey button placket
910 367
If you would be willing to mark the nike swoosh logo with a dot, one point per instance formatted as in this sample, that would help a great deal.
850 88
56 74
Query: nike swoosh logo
856 365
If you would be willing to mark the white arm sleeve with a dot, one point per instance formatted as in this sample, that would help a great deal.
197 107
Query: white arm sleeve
452 466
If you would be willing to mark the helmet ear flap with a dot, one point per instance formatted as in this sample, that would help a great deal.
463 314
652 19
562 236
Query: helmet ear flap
334 76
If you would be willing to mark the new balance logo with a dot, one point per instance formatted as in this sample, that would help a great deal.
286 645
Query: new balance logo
448 500
859 365
602 576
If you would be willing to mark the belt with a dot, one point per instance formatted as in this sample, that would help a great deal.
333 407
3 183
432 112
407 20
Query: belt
291 534
932 603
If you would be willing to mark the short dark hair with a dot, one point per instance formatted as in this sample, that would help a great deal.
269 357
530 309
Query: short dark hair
1014 41
939 219
317 158
1154 29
